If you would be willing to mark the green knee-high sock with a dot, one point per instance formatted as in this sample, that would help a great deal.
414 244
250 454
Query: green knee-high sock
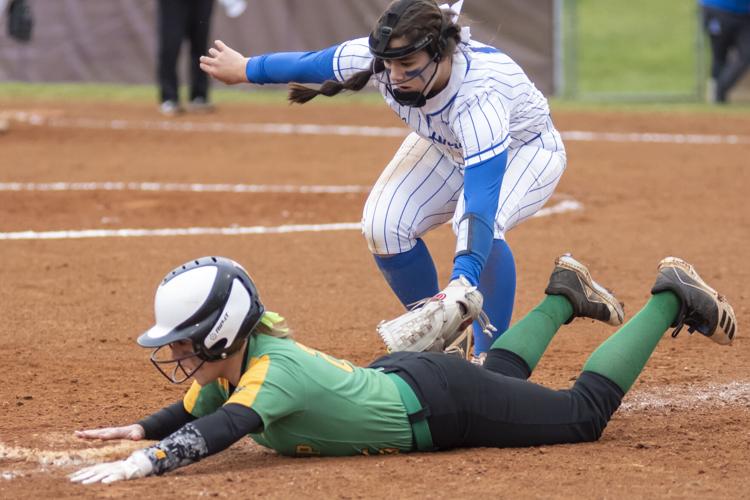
623 355
531 335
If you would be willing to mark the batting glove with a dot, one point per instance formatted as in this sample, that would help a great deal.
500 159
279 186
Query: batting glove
135 466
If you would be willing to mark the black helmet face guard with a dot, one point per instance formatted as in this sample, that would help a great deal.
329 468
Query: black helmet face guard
384 76
164 365
379 41
379 46
416 98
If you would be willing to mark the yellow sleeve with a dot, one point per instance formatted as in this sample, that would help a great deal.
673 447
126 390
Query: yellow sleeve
203 400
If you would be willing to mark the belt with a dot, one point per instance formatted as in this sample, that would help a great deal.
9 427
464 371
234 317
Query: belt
417 414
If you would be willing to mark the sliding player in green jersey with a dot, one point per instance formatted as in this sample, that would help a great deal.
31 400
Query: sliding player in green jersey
252 378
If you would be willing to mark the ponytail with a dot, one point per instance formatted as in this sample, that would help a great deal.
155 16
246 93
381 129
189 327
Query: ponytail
421 18
300 94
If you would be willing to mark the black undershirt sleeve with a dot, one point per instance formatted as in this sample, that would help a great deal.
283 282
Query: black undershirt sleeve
203 437
165 421
227 425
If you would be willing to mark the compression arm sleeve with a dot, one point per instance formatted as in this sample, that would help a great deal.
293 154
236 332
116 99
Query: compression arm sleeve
203 437
285 67
165 421
477 227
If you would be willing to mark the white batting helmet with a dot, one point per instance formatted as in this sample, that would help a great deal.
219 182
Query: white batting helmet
212 302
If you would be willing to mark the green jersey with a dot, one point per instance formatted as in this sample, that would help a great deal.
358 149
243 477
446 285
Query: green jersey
310 402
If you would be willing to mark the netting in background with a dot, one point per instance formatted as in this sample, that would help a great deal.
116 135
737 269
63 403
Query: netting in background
648 50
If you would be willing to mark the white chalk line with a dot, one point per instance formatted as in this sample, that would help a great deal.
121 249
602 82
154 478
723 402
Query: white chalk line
214 127
182 187
684 397
64 458
561 207
188 231
345 130
687 397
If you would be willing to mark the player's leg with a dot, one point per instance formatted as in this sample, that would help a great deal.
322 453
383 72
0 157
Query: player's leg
512 412
571 293
530 179
680 297
470 406
415 193
735 69
498 286
172 16
719 38
199 24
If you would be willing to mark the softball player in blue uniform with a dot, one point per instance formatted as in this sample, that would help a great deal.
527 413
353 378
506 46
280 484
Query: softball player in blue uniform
251 377
727 23
483 149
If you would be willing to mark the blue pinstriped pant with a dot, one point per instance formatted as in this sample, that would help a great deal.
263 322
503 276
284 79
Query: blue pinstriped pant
422 188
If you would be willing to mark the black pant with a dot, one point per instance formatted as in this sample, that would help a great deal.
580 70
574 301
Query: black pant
178 20
727 31
469 405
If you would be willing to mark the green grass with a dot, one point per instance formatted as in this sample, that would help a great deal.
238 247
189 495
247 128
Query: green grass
82 92
637 47
148 93
630 54
649 105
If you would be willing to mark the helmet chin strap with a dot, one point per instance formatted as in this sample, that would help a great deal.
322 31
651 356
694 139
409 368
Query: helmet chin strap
415 99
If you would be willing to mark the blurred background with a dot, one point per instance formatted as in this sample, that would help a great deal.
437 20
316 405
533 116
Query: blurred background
576 50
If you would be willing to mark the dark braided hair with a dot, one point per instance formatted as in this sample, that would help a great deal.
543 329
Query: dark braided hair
421 18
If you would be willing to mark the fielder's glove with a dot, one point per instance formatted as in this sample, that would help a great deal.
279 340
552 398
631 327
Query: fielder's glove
20 22
437 323
135 466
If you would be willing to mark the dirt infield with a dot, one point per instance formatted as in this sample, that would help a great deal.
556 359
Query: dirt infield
72 307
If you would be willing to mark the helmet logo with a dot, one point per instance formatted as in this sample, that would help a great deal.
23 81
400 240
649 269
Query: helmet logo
214 336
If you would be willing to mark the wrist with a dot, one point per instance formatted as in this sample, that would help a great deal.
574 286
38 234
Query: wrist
139 465
245 73
138 432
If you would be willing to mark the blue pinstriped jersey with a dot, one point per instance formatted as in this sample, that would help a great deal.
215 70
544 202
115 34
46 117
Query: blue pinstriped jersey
488 105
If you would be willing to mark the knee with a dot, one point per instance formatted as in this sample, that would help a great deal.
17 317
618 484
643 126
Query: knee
385 236
599 398
596 428
590 421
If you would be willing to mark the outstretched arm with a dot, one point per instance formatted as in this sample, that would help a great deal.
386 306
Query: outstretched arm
157 426
225 64
229 66
134 432
482 182
192 442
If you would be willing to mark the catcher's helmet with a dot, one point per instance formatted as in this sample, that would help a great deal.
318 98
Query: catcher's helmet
210 301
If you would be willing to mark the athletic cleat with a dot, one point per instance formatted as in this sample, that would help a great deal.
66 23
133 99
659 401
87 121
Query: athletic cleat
572 280
701 307
200 105
170 108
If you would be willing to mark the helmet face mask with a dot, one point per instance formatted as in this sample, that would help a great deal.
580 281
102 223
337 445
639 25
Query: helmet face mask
162 361
211 302
383 50
415 98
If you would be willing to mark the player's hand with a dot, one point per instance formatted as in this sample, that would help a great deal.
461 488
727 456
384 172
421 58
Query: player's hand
133 432
135 466
436 323
225 64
